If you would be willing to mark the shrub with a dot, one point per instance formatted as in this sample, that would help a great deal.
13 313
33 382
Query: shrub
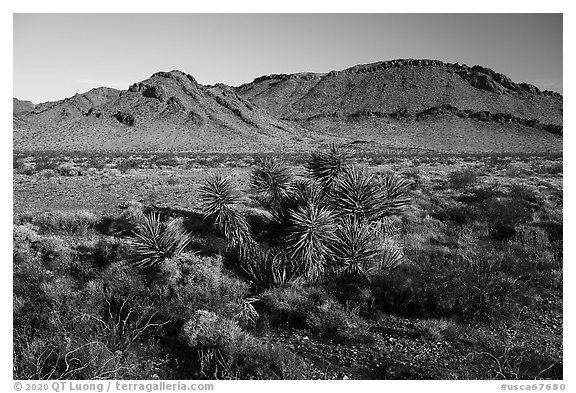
227 352
463 178
268 268
436 329
70 223
190 282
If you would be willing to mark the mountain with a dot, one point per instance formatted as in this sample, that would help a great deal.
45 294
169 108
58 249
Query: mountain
400 104
21 107
417 103
170 111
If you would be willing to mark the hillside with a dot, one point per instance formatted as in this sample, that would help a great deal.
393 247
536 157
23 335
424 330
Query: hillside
424 103
20 107
398 104
169 111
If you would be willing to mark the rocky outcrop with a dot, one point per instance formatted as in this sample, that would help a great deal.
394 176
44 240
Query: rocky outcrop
404 114
478 76
125 118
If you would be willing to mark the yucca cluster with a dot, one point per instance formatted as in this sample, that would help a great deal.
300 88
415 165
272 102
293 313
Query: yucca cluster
335 222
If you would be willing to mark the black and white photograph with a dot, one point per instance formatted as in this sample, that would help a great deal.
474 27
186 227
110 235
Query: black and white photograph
287 196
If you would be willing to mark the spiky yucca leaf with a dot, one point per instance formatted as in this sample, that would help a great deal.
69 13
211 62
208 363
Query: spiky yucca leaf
356 193
311 231
218 197
303 191
153 241
355 249
395 190
272 181
325 166
216 194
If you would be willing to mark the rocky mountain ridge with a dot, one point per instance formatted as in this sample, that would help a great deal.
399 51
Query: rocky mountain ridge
401 103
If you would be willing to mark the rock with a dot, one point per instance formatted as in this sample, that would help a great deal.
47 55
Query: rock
125 118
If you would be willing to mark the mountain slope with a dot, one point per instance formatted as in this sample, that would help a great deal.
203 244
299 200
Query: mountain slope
411 85
417 103
20 107
399 104
169 111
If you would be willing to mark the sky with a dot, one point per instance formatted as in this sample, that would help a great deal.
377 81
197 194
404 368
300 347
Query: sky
58 55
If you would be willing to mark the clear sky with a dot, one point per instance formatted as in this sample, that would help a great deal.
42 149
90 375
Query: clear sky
58 55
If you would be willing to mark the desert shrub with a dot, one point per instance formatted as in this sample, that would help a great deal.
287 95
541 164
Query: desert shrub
527 196
47 173
290 305
463 178
437 329
444 283
69 223
65 329
530 252
26 233
463 214
515 359
313 309
227 352
68 169
554 229
331 320
127 220
505 214
166 161
192 283
268 268
97 163
42 163
126 165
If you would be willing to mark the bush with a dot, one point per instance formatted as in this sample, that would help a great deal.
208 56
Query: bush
463 178
192 283
69 223
227 352
312 309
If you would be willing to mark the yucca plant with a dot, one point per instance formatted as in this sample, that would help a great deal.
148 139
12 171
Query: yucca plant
355 248
356 193
154 241
218 199
394 193
311 232
326 166
272 182
361 248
